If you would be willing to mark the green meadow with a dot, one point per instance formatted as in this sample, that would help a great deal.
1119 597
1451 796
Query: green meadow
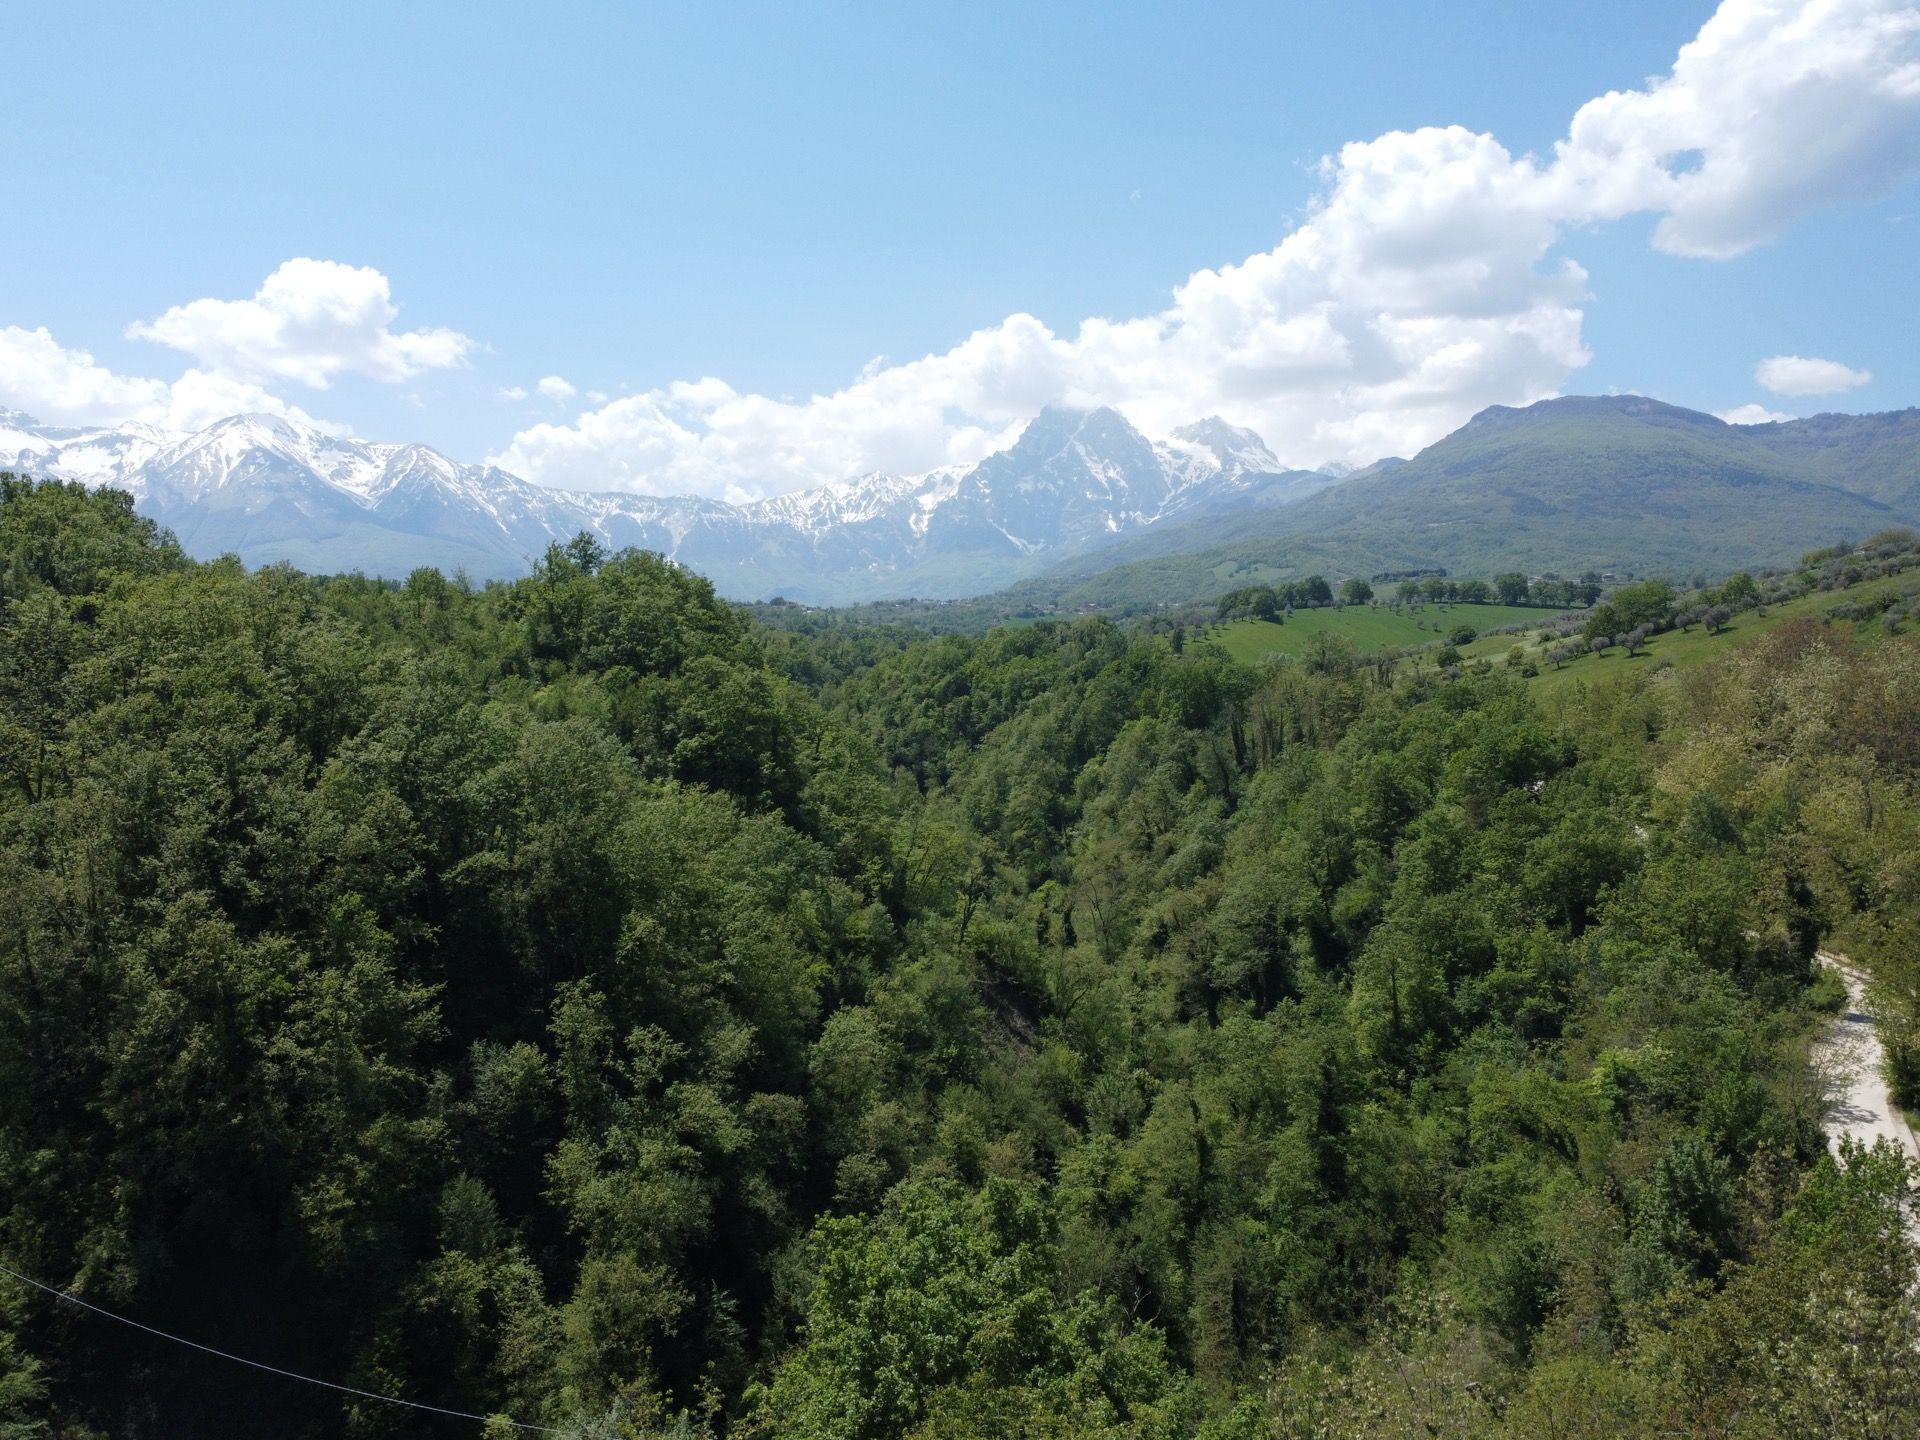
1367 627
1370 629
1686 649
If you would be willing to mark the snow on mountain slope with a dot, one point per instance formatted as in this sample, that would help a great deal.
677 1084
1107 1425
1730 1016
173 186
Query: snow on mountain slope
97 457
270 489
1230 447
850 502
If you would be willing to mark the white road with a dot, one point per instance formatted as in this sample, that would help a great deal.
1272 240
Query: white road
1859 1105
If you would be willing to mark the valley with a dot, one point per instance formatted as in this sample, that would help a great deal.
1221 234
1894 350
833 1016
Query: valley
990 722
790 1007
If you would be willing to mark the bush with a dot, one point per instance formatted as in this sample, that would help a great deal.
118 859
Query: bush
1827 993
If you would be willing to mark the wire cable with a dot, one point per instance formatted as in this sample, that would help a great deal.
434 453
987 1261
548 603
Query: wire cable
273 1369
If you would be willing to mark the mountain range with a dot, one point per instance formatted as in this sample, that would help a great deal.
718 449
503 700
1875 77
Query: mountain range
1081 510
1613 483
270 489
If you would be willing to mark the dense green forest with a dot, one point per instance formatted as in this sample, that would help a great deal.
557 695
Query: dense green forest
568 1000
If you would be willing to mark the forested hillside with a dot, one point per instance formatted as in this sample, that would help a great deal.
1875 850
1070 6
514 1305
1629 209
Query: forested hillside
572 1002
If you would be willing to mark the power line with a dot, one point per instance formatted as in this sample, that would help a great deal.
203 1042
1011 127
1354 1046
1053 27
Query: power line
270 1369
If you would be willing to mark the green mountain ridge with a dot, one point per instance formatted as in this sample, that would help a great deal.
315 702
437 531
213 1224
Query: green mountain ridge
1611 483
1873 455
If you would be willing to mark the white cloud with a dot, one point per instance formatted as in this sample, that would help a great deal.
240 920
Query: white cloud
512 392
1409 298
1752 415
62 386
555 387
1421 285
309 321
1775 108
200 397
1805 375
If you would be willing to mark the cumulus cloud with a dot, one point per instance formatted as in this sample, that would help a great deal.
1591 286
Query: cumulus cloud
1412 295
1806 375
200 397
1775 108
1752 415
62 386
309 321
555 387
1421 285
512 392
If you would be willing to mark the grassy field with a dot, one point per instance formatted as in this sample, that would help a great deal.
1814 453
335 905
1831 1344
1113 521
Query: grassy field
1694 646
1680 649
1370 629
1250 641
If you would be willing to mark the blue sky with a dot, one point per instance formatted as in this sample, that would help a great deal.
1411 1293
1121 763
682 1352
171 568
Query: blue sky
776 196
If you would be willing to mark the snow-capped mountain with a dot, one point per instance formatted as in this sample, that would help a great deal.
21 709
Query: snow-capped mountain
270 489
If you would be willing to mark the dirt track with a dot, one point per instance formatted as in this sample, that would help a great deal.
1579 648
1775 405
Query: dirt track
1858 1103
